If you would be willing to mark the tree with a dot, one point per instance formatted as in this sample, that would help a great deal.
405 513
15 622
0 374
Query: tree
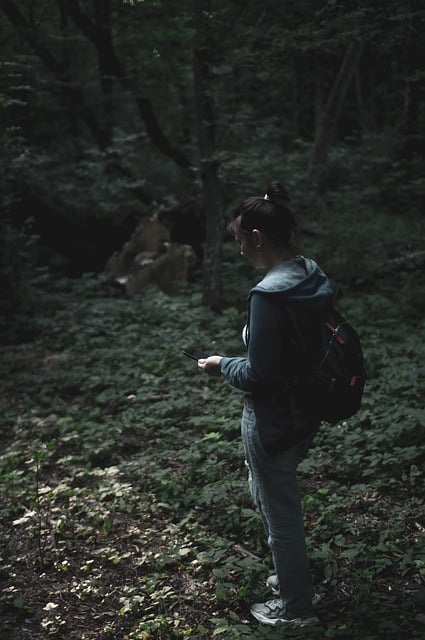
329 117
209 166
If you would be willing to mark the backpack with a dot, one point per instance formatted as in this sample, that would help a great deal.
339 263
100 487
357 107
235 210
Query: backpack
331 388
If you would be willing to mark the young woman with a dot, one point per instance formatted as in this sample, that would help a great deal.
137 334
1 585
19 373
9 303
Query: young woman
282 314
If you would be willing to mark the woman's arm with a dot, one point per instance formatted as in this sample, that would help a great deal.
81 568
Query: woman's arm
262 368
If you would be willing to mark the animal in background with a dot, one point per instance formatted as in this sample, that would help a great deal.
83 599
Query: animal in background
149 257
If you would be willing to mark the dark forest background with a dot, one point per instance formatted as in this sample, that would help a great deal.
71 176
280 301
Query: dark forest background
124 510
113 111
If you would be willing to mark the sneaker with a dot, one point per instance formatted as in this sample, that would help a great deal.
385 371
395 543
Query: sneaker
273 584
274 611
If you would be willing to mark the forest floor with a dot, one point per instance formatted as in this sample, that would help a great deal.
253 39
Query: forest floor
124 507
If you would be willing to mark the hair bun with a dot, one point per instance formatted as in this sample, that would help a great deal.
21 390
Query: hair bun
278 194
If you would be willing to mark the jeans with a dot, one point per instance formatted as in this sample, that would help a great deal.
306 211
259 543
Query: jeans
274 490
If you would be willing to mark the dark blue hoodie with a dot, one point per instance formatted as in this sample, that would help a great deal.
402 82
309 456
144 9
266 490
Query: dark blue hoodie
283 312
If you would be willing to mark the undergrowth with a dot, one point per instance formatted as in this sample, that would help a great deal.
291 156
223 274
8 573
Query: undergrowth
125 512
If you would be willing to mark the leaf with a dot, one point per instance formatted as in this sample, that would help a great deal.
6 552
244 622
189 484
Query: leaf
220 591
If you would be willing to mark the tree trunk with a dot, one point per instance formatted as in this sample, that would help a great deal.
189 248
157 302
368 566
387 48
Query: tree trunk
103 26
330 116
68 107
414 115
319 94
209 166
363 114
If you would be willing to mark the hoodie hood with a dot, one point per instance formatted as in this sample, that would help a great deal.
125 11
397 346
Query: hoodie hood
300 280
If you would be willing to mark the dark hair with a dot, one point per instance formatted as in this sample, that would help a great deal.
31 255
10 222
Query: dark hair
270 214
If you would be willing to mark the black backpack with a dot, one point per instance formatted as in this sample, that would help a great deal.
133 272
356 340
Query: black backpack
331 388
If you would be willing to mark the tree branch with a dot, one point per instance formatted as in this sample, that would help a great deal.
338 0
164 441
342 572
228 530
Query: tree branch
18 20
110 61
74 95
55 67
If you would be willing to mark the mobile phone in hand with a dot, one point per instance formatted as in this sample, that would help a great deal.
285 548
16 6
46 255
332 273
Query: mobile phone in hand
195 354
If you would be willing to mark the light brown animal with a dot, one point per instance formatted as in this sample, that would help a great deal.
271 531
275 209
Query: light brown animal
168 271
150 258
147 239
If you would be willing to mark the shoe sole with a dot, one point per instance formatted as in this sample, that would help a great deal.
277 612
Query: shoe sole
293 622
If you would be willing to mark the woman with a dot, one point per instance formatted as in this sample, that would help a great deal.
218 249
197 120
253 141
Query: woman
282 315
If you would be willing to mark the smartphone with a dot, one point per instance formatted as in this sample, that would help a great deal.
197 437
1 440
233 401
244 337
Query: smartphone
195 354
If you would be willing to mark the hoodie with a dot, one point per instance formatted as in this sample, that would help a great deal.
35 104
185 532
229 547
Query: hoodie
282 320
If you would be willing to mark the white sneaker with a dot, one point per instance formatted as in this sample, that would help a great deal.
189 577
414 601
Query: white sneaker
273 584
274 611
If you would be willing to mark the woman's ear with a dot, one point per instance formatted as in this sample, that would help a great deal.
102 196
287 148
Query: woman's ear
258 238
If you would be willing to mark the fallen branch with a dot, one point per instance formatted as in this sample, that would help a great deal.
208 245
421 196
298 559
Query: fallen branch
244 552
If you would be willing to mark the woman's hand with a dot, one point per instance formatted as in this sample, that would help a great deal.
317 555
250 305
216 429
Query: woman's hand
210 365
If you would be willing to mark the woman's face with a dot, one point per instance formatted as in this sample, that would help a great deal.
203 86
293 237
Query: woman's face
249 247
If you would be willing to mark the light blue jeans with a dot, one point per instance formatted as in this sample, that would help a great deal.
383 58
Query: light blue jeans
274 490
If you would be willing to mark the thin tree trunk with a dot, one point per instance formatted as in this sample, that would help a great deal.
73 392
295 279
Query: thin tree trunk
319 97
65 103
330 116
205 113
363 115
103 26
295 99
414 115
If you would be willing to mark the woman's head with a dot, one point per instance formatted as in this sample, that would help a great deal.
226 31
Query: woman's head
269 214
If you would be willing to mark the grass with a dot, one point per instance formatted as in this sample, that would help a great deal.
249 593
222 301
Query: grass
125 512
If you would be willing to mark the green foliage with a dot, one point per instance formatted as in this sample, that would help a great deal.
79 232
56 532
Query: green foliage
124 487
18 255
